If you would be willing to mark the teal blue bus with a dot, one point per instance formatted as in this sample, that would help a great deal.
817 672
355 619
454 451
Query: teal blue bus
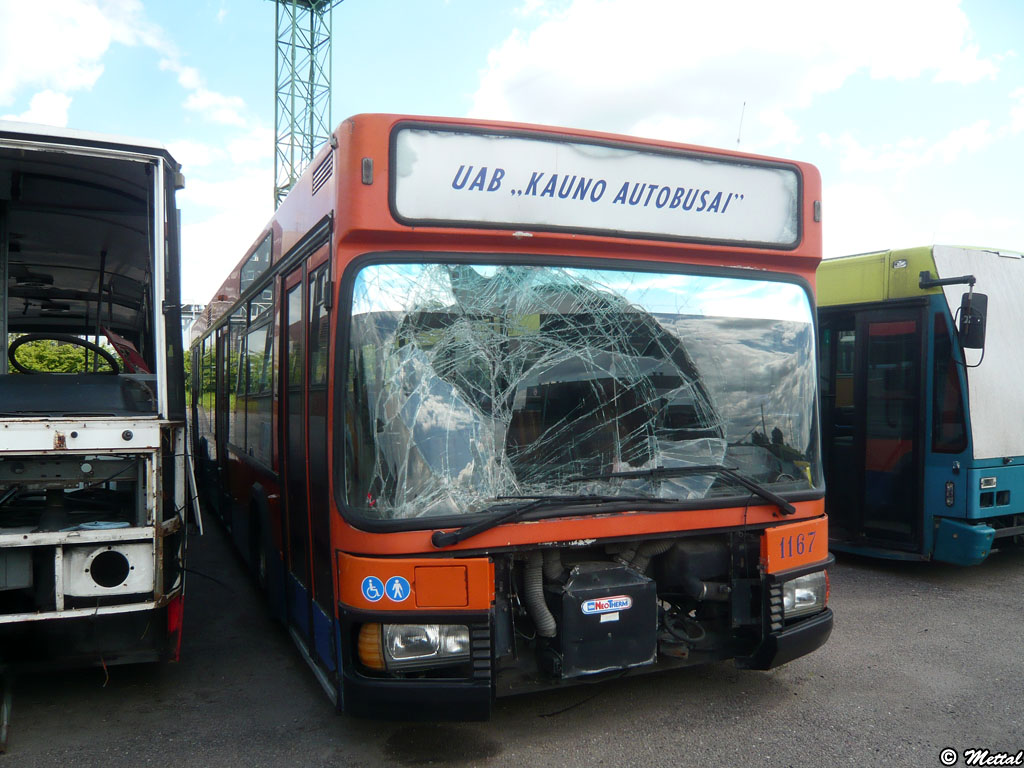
922 365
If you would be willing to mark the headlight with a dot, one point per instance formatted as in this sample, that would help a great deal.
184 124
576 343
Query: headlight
413 646
804 595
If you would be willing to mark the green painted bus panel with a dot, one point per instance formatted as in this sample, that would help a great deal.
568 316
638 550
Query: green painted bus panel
903 282
852 279
871 277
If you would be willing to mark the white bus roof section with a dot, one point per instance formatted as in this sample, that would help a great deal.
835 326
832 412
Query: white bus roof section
33 131
997 385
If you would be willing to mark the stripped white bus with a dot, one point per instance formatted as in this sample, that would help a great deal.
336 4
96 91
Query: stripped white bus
93 470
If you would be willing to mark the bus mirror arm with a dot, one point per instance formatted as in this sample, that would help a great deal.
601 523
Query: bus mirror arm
973 308
925 280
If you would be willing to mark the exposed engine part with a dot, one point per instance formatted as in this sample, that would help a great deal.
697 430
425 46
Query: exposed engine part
683 628
60 493
638 555
679 634
553 569
608 619
533 595
686 567
699 590
591 609
647 551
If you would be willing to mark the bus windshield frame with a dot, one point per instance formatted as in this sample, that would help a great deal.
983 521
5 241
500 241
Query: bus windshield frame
722 389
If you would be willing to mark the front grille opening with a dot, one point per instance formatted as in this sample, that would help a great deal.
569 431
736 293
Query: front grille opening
110 569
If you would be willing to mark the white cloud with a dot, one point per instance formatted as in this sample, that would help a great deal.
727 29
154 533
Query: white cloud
216 107
908 154
223 218
58 50
255 146
194 154
861 217
542 9
963 226
866 217
188 77
61 46
1017 111
45 108
225 110
623 65
962 141
673 127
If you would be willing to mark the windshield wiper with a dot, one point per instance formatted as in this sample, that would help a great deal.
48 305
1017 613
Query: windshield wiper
655 473
499 515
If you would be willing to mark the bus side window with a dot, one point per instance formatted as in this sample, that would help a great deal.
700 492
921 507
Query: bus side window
258 351
949 432
209 401
845 341
236 378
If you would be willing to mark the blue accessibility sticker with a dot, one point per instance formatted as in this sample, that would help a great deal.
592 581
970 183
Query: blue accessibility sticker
373 588
397 588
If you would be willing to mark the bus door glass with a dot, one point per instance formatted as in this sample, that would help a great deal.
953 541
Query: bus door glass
842 474
891 397
293 426
222 395
319 493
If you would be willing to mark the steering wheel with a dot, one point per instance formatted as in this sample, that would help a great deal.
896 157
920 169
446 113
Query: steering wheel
108 358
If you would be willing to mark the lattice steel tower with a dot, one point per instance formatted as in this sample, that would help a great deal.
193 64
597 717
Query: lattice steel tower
302 105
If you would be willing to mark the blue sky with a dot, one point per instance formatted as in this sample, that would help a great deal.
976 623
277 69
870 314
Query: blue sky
913 110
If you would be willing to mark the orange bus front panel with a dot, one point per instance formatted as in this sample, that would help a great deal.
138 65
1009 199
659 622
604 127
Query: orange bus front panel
411 584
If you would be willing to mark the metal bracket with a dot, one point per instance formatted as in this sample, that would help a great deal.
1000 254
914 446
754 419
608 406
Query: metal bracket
927 281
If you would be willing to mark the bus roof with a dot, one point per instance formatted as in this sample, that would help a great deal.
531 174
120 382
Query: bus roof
892 274
32 132
403 176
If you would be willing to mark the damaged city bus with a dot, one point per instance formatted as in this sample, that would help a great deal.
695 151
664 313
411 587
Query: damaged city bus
92 403
490 408
923 412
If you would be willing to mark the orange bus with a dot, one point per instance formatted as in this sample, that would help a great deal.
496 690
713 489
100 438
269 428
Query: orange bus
491 407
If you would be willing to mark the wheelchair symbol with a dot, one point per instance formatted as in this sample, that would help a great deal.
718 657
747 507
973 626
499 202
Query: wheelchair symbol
373 588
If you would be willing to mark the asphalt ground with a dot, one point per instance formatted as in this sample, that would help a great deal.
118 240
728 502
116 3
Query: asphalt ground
923 658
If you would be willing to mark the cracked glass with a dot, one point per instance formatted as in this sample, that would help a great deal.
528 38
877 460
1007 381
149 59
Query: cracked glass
469 383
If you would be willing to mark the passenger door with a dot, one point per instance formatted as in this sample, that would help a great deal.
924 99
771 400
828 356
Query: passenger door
304 410
293 455
872 415
892 426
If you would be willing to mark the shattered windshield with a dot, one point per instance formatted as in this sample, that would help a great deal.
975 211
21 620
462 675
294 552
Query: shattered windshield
468 383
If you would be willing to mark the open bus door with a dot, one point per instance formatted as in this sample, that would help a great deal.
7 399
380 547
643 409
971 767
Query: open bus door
872 361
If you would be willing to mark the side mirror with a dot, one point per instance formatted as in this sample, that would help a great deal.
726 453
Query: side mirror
973 316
